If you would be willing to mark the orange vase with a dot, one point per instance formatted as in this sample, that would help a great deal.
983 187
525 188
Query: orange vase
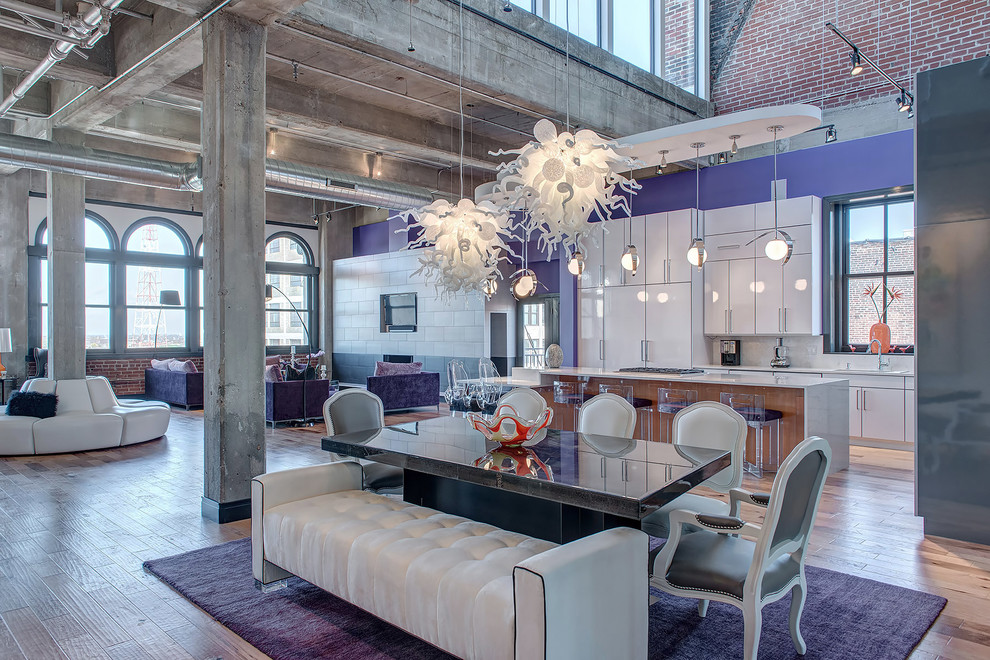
880 331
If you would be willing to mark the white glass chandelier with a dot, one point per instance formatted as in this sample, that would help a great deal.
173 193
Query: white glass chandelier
561 179
462 245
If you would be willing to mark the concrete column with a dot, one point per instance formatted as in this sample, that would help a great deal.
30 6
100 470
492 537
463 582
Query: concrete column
66 270
233 137
13 255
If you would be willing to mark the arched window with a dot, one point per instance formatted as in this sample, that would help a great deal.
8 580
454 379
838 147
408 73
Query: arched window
100 242
290 316
156 259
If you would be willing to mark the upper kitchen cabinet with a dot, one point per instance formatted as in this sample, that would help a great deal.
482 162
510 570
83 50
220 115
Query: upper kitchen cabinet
730 219
668 236
790 212
623 232
593 275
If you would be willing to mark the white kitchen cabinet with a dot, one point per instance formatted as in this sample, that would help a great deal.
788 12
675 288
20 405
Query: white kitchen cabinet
716 297
855 412
802 303
591 470
592 276
790 212
910 416
724 247
742 296
668 236
883 413
623 232
730 219
769 290
625 326
591 327
668 325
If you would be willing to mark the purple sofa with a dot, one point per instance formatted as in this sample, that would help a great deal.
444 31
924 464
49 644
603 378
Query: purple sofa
406 390
176 387
284 400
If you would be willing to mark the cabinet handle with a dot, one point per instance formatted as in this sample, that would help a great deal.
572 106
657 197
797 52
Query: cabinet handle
642 350
646 349
730 320
601 275
734 246
663 271
779 325
601 349
785 319
603 467
625 471
864 399
668 269
857 399
726 320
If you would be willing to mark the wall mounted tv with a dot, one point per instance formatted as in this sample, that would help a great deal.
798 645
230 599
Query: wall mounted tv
398 312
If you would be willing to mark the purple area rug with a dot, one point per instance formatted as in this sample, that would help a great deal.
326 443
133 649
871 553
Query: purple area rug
845 617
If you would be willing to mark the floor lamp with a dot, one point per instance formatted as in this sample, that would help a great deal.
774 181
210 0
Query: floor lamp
269 294
166 298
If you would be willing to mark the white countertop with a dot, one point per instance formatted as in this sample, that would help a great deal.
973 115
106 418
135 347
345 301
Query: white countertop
817 370
796 380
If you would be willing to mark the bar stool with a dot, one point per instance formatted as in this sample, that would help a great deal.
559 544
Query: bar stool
669 403
644 407
570 393
758 417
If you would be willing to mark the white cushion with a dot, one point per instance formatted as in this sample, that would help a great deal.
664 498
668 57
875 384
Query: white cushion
443 578
15 434
73 396
101 395
77 432
42 385
142 423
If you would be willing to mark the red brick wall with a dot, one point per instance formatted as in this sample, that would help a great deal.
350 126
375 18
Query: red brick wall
786 55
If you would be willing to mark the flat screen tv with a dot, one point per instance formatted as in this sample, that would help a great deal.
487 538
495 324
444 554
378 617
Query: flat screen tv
398 312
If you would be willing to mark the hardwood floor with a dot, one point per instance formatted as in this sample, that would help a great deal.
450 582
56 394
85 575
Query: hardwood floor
74 530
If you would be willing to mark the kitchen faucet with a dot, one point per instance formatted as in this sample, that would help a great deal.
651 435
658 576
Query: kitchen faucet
880 362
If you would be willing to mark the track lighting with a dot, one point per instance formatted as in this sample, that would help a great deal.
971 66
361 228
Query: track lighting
575 265
523 283
830 135
735 147
856 63
507 6
903 105
630 259
723 158
663 161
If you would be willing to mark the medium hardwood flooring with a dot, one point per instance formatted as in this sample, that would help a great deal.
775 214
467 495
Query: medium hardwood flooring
75 528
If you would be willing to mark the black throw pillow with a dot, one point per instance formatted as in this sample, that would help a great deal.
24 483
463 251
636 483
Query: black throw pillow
308 373
32 404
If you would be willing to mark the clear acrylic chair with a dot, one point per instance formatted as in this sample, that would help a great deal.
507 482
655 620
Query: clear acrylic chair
457 386
758 417
643 406
669 403
491 388
570 393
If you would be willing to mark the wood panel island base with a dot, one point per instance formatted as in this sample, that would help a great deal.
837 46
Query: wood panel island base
810 405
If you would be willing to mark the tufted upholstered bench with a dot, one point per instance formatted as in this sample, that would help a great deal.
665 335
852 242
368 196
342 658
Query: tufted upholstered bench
472 589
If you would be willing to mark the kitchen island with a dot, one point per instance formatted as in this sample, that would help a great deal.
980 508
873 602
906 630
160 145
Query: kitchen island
810 405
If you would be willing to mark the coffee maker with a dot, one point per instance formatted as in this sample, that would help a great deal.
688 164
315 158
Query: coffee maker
731 355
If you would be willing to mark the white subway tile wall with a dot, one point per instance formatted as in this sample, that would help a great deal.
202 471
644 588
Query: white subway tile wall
456 327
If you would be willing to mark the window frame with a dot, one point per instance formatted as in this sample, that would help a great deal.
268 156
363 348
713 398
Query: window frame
310 273
551 323
837 302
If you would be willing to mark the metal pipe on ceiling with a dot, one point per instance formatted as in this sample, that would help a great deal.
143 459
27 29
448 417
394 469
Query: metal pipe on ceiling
280 176
26 9
90 29
11 24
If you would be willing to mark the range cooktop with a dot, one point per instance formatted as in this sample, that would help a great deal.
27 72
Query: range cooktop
662 370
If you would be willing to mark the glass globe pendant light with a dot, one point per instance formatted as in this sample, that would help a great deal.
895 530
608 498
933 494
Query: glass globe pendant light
780 247
630 260
575 265
697 255
523 283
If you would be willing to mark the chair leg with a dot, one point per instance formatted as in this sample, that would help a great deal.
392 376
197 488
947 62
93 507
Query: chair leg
798 595
752 625
702 608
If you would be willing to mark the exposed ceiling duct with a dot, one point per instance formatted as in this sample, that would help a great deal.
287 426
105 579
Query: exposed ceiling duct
280 176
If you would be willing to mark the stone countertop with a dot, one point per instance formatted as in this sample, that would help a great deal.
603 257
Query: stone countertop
831 371
789 381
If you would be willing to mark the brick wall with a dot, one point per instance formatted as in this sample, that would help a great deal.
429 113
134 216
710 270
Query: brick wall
784 53
678 44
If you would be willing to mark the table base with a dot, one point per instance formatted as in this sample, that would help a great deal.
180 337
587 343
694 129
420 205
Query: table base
539 518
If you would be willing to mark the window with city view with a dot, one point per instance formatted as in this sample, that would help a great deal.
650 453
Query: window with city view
876 260
148 324
659 36
289 268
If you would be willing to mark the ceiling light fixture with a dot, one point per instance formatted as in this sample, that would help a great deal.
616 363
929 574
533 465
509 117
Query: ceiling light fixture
663 161
630 259
723 158
781 246
830 135
905 101
411 49
378 165
490 286
735 147
272 132
697 255
523 283
575 265
507 6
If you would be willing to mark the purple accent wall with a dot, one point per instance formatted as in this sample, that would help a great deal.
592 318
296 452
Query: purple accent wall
370 239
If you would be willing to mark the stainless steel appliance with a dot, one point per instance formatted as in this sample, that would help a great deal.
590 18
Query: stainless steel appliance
780 357
731 354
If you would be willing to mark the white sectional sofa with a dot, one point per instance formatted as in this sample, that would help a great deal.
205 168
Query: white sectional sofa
472 589
88 416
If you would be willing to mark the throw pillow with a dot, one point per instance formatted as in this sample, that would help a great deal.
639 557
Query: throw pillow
161 365
397 368
291 373
272 359
32 404
273 374
184 366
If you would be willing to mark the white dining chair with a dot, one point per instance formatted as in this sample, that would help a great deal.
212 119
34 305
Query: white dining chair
720 563
709 425
527 403
356 409
607 414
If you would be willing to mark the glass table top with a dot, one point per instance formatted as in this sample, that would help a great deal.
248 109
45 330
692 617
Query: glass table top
626 477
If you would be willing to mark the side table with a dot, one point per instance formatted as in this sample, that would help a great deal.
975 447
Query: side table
7 381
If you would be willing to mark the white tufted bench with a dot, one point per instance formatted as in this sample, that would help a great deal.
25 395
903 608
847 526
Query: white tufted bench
472 589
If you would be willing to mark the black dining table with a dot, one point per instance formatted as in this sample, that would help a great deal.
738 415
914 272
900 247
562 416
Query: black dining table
559 487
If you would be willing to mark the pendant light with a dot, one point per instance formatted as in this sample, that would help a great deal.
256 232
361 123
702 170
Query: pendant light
781 246
663 161
630 259
523 282
735 147
575 265
697 255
